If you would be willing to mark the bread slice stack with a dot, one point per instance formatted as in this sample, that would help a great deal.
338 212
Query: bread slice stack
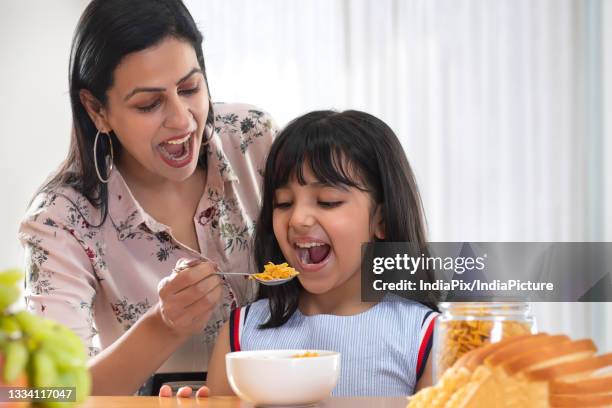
539 371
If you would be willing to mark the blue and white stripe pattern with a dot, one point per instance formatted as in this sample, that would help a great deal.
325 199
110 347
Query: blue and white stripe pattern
379 348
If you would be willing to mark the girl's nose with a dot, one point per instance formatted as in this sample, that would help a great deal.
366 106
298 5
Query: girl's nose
178 114
301 217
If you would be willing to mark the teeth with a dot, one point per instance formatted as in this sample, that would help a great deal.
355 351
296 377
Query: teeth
179 141
171 157
308 244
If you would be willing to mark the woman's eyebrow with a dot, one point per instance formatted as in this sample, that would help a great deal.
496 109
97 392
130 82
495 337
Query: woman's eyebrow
193 71
150 89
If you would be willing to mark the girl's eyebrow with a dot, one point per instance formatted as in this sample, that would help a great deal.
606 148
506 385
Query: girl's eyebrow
149 89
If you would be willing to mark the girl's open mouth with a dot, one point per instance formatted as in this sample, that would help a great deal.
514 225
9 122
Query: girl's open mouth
312 255
177 152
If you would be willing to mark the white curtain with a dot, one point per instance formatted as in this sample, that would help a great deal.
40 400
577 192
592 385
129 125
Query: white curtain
497 103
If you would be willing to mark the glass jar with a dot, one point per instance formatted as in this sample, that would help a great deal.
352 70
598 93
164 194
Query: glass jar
464 326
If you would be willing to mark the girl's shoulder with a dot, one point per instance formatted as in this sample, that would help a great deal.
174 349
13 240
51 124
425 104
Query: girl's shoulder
395 301
259 308
390 305
256 312
404 311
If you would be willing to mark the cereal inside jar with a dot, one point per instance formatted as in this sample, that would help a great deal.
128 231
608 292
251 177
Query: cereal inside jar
462 327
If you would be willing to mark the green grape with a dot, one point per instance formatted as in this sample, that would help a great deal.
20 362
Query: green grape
8 296
44 373
10 277
55 404
16 355
29 323
42 331
78 378
59 337
9 325
83 383
71 342
65 379
62 356
58 356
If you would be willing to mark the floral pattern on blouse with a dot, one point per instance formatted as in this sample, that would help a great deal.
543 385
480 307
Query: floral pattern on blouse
248 127
100 279
128 313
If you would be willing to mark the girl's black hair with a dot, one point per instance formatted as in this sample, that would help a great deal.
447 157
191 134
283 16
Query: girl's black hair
349 148
106 33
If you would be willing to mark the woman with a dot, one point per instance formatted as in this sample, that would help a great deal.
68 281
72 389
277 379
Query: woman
155 173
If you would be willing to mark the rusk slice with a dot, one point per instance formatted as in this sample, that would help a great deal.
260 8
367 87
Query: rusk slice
594 385
573 370
490 351
507 353
535 371
551 355
575 401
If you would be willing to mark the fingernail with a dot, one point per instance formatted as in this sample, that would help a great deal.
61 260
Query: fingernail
181 262
186 263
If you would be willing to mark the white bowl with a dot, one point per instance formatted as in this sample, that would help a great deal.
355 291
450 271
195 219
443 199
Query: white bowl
276 377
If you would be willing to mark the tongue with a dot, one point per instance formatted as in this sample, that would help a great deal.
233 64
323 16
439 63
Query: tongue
317 254
174 149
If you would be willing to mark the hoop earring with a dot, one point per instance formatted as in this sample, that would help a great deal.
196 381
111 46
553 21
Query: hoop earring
208 134
112 158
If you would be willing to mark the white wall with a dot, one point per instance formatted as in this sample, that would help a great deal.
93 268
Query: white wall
35 119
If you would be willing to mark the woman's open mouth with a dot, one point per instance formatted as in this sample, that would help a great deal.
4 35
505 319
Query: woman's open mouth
177 152
312 255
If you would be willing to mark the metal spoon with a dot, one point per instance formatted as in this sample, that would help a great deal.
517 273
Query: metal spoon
185 263
272 282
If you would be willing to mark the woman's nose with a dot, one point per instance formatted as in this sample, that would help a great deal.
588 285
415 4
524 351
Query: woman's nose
178 115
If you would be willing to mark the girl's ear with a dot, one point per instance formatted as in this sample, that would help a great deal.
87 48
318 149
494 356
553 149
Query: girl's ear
95 110
378 222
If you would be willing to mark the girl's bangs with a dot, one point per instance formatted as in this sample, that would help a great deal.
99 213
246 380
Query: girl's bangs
330 164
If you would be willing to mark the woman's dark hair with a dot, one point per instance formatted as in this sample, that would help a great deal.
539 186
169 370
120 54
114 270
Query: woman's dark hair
107 32
349 148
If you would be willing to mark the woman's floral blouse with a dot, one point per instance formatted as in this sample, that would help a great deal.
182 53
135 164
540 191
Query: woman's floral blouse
100 280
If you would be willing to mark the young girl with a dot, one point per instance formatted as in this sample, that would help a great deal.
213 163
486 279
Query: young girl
333 181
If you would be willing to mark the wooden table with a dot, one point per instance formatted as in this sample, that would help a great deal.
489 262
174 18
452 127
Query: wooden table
234 402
